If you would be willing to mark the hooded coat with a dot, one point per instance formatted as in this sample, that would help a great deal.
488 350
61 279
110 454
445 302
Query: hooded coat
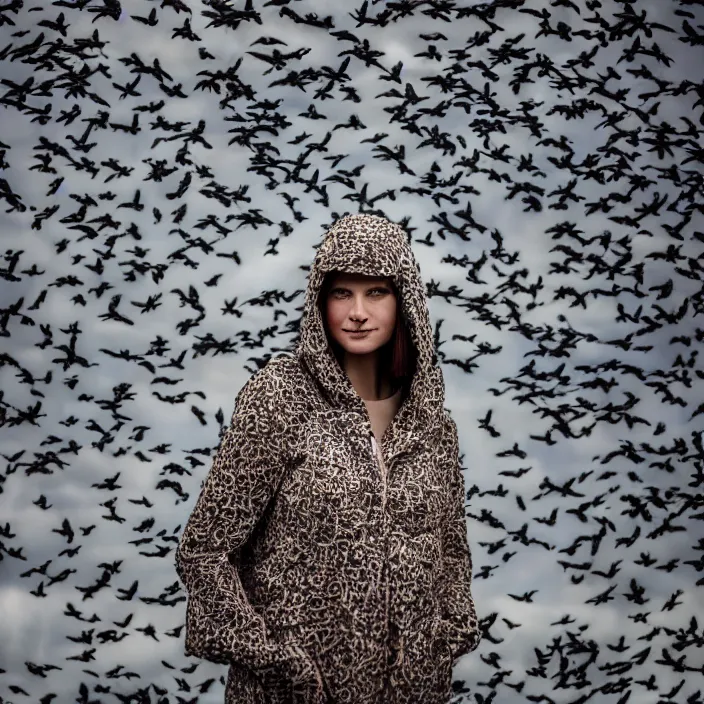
320 565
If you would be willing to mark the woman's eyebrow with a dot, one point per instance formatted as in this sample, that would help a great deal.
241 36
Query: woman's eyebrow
344 288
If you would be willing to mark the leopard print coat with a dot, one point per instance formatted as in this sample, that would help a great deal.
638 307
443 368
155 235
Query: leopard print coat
316 579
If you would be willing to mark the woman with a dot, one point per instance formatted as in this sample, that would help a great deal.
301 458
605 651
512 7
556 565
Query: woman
326 559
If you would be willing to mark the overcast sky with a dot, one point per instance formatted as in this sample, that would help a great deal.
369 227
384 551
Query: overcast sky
98 415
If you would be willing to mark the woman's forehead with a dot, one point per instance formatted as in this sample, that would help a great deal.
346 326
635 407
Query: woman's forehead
350 278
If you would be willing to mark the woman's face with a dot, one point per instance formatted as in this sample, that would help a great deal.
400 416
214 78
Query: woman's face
359 302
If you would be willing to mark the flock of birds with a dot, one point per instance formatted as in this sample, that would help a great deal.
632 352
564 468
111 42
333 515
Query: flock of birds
107 211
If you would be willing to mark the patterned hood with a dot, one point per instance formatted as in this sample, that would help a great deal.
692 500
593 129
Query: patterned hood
374 246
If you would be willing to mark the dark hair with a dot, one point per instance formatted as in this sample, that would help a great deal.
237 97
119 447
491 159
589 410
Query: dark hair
398 356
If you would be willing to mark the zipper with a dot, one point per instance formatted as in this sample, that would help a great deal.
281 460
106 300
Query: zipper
376 450
382 469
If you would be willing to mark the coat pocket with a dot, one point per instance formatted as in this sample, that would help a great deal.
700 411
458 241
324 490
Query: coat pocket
297 679
423 670
442 653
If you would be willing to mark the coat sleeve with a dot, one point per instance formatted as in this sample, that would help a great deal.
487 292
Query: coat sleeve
221 624
458 612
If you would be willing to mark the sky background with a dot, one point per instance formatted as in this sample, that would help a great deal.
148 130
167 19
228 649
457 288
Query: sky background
620 370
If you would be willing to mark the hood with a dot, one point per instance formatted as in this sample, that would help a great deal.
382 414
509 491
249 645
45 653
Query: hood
372 245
